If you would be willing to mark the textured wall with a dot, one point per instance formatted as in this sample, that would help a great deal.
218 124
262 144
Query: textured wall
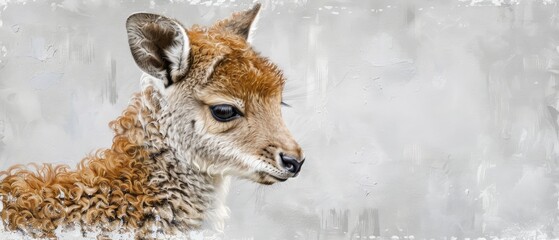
419 118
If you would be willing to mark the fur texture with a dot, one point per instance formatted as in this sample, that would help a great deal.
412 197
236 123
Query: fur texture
168 168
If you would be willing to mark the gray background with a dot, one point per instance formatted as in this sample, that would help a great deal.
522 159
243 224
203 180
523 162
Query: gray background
420 119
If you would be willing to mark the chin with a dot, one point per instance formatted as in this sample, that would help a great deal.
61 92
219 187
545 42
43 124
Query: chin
266 178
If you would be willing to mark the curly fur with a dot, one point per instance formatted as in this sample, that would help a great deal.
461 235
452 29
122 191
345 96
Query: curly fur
109 188
135 185
167 171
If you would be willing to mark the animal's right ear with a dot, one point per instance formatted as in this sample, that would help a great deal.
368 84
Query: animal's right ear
159 46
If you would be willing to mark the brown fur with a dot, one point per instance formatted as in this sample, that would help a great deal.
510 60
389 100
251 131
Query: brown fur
142 182
108 187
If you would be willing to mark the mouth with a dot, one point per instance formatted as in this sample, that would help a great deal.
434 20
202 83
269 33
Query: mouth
269 179
277 178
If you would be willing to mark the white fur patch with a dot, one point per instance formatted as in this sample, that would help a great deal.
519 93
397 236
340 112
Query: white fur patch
253 27
178 54
219 211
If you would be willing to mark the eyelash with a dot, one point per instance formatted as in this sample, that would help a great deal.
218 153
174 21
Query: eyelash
285 104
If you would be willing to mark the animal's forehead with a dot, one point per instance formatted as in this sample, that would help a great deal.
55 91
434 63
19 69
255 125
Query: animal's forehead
238 70
242 77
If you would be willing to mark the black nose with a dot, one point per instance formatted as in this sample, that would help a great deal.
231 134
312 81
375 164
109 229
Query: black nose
291 164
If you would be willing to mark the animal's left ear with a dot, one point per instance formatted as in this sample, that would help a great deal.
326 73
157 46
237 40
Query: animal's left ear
241 23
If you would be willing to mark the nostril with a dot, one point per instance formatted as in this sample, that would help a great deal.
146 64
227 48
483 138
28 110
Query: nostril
290 164
289 167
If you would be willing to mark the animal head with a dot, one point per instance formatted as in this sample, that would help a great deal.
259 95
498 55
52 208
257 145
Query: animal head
221 101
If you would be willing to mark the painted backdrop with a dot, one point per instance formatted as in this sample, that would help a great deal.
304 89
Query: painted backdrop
420 119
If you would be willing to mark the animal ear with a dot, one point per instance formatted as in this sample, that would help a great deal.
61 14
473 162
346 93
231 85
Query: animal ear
241 23
159 46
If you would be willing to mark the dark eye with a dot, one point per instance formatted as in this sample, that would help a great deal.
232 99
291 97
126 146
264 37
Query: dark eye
224 112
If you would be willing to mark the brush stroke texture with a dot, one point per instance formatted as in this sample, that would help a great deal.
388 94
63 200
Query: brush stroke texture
419 118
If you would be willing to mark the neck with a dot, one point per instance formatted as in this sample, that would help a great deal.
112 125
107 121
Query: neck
187 197
139 182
